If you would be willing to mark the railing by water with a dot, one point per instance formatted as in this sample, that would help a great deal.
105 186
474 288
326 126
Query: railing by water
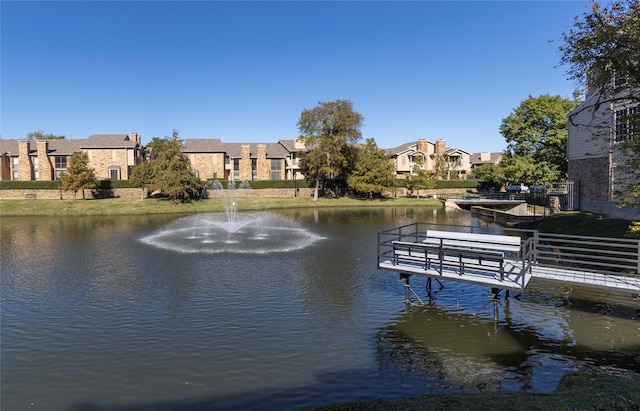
617 257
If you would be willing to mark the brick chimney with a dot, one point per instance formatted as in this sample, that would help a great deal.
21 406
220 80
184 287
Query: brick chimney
263 165
24 162
45 170
440 147
245 163
133 136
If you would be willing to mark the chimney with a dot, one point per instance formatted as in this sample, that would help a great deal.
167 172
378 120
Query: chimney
44 166
24 162
245 162
133 136
423 146
440 147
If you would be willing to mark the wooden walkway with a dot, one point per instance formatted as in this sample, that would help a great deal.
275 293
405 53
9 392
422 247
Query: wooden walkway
605 263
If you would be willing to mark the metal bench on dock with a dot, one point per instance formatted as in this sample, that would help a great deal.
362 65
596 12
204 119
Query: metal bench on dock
485 259
505 262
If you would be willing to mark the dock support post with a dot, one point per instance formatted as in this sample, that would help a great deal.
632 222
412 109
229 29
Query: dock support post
494 298
407 288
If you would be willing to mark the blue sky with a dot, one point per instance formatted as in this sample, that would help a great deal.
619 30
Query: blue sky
243 71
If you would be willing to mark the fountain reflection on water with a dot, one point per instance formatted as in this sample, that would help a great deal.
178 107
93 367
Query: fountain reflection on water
232 232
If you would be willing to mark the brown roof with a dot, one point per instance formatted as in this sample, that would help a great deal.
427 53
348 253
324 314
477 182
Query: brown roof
203 145
57 146
404 147
274 150
109 141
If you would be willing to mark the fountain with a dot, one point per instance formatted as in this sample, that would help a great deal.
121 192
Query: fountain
230 198
232 232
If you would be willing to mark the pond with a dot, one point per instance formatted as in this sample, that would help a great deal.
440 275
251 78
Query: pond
287 311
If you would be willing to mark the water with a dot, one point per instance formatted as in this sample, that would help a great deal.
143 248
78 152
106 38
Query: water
165 313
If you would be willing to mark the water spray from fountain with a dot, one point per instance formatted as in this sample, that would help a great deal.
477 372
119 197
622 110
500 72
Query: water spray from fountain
232 232
230 198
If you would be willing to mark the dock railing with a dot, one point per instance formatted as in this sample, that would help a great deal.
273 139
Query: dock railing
604 255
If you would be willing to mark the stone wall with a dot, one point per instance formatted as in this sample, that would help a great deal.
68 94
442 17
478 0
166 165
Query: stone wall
138 193
22 194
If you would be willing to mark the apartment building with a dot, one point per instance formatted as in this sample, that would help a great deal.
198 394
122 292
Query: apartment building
110 155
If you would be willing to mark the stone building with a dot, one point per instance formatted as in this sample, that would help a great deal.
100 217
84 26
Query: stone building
213 159
434 157
110 155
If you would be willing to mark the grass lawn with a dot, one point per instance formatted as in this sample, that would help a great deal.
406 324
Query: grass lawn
122 206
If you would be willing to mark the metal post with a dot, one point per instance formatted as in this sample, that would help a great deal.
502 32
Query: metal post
295 187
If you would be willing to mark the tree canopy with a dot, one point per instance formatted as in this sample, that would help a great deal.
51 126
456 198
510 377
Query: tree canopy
373 170
537 128
604 45
41 135
78 175
169 173
331 130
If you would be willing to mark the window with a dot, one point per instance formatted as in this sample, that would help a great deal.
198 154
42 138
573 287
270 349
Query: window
14 174
236 169
61 162
58 174
627 123
254 169
196 173
276 169
114 173
36 172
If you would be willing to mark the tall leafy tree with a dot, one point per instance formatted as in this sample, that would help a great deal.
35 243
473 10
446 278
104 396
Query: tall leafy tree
420 178
373 170
79 176
604 45
602 52
490 176
537 128
142 175
169 173
525 169
41 135
332 130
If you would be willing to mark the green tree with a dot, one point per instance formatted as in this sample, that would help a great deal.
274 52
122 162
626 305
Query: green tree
525 169
604 45
490 176
142 175
78 175
158 145
373 170
170 172
40 135
537 128
332 130
420 178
